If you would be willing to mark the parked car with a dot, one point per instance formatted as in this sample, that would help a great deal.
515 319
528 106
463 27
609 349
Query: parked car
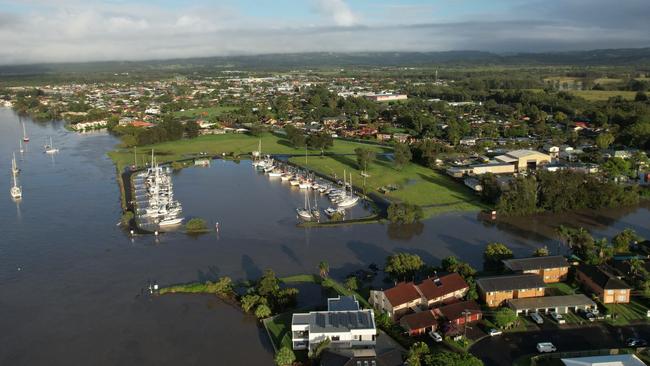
435 336
494 332
557 317
636 342
545 347
537 318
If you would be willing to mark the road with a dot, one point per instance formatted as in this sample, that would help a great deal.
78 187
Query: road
503 350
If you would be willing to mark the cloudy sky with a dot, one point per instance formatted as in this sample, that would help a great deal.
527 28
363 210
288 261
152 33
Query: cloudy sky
33 31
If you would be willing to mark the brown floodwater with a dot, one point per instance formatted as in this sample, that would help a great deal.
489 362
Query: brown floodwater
71 281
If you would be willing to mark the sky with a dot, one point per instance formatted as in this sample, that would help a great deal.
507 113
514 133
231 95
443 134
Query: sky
35 31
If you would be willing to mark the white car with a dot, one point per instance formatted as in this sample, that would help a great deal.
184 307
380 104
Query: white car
537 318
435 336
558 317
494 332
545 347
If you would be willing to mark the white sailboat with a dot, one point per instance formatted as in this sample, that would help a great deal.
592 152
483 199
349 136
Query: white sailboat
16 191
305 213
349 200
14 166
22 149
50 149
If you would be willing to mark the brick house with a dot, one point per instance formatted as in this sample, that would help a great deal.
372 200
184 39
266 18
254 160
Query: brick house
495 291
608 288
460 312
551 268
407 296
419 323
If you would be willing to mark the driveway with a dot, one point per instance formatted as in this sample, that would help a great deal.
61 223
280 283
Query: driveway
503 350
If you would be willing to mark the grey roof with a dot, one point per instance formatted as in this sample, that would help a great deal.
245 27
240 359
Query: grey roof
340 321
509 283
551 302
342 303
618 360
525 264
300 319
601 278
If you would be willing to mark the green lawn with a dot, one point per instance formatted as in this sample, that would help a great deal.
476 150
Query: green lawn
229 143
205 112
279 328
435 192
561 288
603 95
623 314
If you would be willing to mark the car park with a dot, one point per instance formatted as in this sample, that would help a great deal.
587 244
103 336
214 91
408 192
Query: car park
545 347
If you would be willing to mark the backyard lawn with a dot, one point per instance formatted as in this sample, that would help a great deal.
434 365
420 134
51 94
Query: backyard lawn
623 314
434 192
603 95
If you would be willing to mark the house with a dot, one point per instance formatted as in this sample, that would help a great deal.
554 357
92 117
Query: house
558 304
468 141
361 357
550 268
387 97
608 288
407 296
384 136
402 138
344 324
495 291
524 160
460 313
608 360
419 323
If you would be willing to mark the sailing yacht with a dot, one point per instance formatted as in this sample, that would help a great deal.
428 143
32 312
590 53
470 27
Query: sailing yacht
349 200
16 191
22 149
25 137
14 166
305 213
50 149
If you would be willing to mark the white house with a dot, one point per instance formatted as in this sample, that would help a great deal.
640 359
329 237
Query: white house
344 324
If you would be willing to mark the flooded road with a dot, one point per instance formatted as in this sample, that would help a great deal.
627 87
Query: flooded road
71 281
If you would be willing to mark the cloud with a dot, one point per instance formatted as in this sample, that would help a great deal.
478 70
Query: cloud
337 10
94 30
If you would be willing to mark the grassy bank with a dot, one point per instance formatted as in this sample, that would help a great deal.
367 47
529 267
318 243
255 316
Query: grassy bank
206 112
434 192
229 143
603 95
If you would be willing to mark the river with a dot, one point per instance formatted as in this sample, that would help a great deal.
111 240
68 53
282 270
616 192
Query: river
71 281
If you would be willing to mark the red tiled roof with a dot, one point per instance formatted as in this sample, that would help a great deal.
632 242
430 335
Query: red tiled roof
433 289
141 124
455 311
402 293
419 320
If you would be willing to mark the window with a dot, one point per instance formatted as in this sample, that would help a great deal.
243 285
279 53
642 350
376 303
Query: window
610 292
622 298
336 338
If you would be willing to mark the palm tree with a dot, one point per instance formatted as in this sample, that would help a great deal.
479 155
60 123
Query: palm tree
564 233
324 269
636 266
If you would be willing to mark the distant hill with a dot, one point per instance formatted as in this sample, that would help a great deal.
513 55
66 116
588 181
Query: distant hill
606 57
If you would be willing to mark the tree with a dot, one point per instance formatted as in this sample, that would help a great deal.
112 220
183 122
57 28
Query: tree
404 213
364 156
351 283
262 311
400 265
285 357
268 284
321 141
541 252
322 346
452 264
402 155
622 240
494 253
416 353
447 358
604 140
504 318
617 167
295 136
250 301
323 269
192 129
196 225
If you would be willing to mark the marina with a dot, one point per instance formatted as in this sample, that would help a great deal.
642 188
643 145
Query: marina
65 262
